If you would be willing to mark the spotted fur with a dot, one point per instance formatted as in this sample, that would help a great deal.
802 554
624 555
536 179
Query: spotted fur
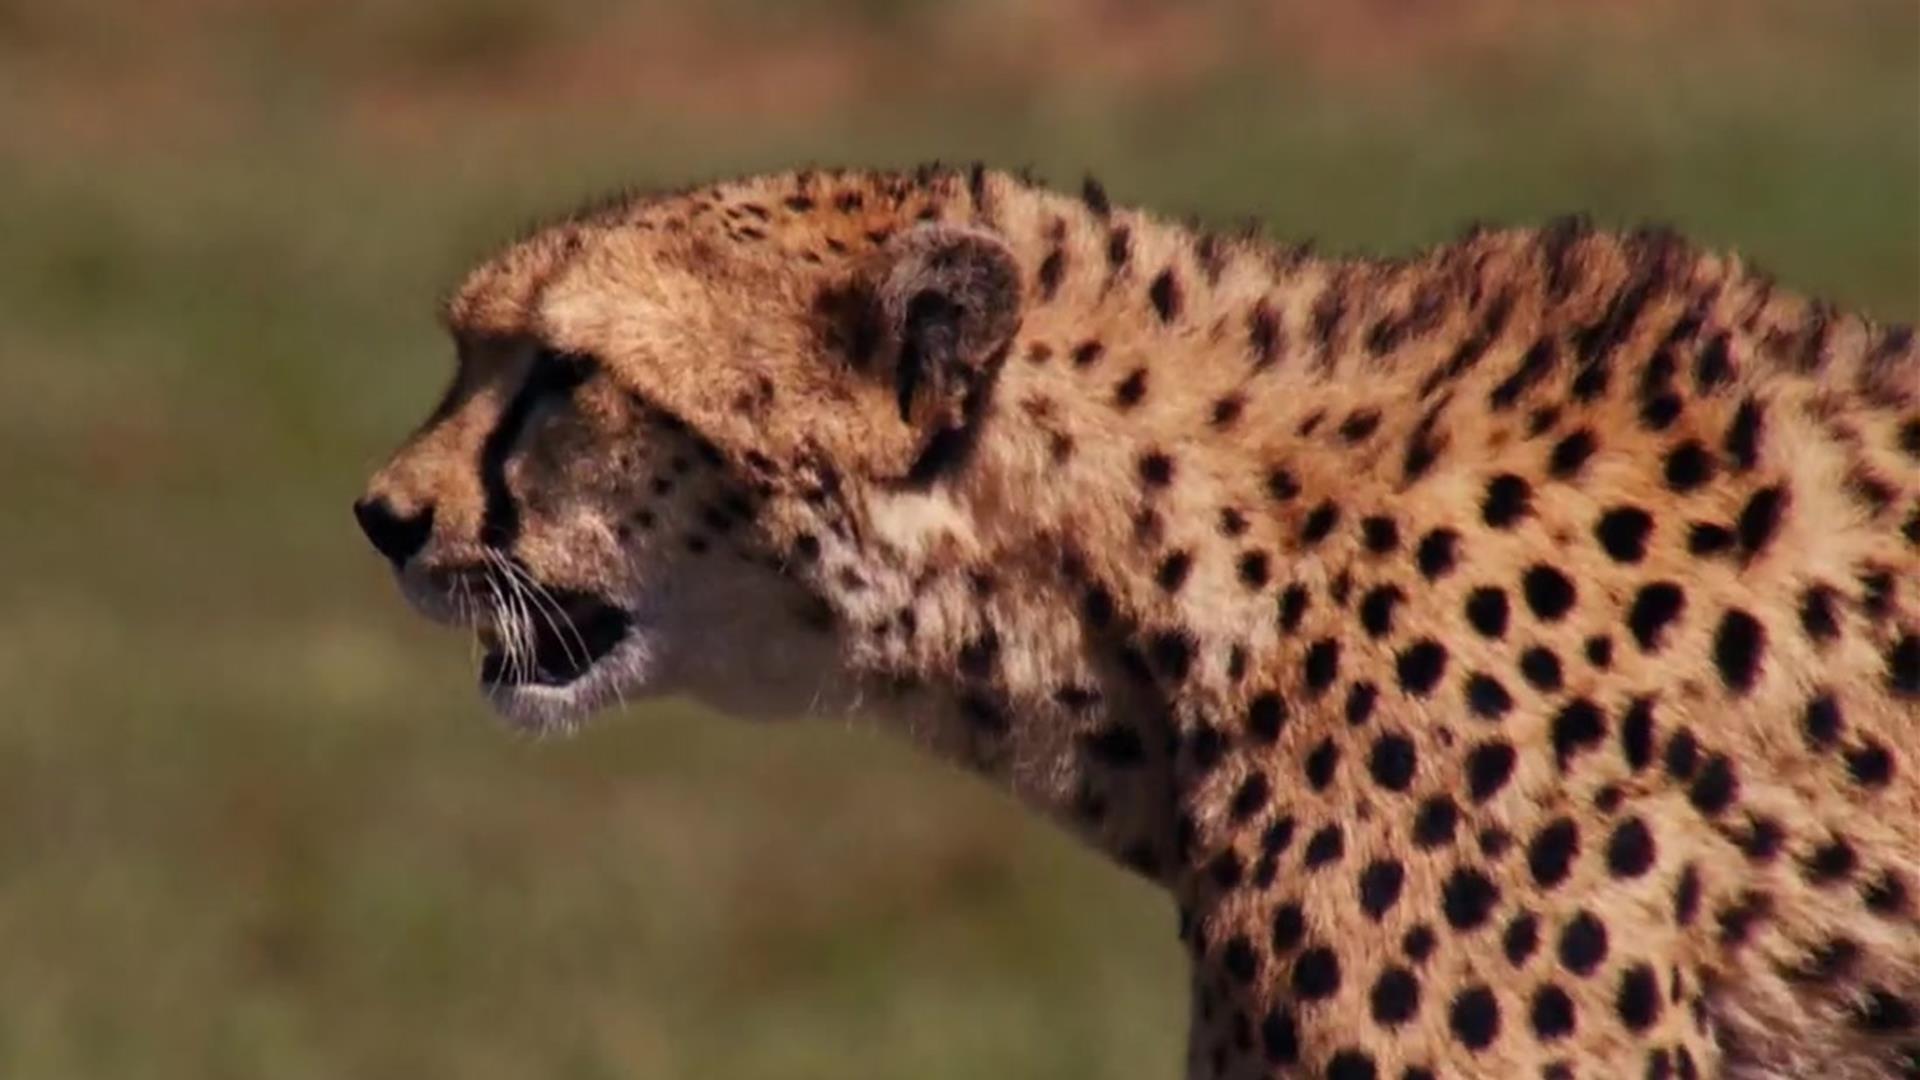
1508 658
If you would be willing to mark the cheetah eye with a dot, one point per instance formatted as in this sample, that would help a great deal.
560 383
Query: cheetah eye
559 373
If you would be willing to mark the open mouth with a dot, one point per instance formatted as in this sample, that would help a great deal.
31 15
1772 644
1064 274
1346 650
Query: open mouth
555 645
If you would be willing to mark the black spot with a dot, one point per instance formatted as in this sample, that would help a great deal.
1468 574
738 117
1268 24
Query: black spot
1742 443
1279 1037
1263 335
1583 944
1359 425
1438 552
1716 787
1551 852
1638 999
1328 312
1293 607
1623 531
1903 666
1552 1013
1380 885
1077 698
978 656
1489 767
1570 454
1097 606
1321 666
1325 846
1870 764
1577 727
1686 895
1119 247
1508 499
1657 413
1361 697
1536 365
1392 761
1289 928
1468 898
1831 862
1278 834
1316 974
1760 519
1172 652
1876 598
1883 1013
1418 943
1206 746
1435 823
1713 367
1706 538
1380 534
1420 667
1376 609
1655 607
1321 764
1520 938
1600 652
1095 196
1683 754
1156 469
1087 353
1823 721
1487 611
1474 1017
1116 745
1165 295
1763 839
1131 389
1253 569
1241 962
1486 697
1827 961
1320 521
1886 894
1688 466
1737 649
1549 592
1227 410
1817 616
1541 667
1636 734
984 714
1352 1064
1630 850
1226 870
1266 713
1395 997
1173 571
1251 797
1052 269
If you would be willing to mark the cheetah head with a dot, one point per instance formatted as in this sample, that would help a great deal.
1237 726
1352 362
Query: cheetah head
682 456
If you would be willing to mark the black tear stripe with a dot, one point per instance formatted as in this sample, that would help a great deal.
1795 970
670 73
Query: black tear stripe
553 375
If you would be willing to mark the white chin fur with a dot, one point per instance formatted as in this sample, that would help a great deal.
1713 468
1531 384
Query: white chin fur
621 676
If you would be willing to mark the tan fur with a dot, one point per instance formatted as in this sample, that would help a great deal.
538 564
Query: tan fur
1150 527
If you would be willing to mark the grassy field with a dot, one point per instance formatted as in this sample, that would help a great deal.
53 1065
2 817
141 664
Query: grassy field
253 821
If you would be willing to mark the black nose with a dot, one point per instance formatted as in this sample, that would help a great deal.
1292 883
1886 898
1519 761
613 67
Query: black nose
396 537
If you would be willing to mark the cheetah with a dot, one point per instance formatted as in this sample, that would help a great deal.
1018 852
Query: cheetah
1507 658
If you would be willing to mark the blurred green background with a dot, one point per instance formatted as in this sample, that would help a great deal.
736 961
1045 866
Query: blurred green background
253 819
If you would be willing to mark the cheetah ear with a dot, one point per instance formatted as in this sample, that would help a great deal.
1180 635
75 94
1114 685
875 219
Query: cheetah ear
949 305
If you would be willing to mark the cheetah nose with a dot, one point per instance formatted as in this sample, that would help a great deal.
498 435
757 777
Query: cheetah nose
397 537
